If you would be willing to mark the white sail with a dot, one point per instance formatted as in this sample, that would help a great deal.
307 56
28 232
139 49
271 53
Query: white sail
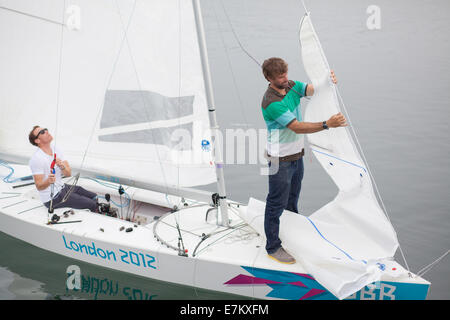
119 84
349 243
353 222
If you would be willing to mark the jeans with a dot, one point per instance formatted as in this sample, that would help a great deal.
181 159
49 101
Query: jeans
284 192
79 198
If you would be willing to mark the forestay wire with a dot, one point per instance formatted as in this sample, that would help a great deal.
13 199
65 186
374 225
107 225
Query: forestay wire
365 161
427 268
359 147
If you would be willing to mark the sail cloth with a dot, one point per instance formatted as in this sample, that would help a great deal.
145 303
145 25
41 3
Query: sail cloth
349 242
120 80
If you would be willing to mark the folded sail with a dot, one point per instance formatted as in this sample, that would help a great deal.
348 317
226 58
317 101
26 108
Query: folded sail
349 243
353 224
119 84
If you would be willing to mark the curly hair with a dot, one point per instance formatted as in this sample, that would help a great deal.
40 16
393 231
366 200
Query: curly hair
273 67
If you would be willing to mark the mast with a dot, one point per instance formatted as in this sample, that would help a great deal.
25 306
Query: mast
212 112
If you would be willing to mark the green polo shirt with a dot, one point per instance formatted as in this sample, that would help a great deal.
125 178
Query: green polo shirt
278 112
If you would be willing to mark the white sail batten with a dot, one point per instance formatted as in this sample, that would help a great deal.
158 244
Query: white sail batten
132 99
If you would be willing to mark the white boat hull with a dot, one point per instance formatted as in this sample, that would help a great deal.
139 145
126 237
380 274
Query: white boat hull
232 261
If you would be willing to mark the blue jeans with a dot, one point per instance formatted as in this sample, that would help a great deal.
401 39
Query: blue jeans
284 192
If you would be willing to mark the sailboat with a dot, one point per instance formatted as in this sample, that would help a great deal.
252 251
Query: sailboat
126 89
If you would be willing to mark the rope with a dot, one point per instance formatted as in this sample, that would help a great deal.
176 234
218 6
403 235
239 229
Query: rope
234 229
140 87
58 90
176 213
304 6
7 178
32 16
112 186
431 265
61 45
229 62
123 41
237 38
107 86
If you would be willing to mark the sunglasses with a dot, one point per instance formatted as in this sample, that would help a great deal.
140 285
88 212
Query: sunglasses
41 132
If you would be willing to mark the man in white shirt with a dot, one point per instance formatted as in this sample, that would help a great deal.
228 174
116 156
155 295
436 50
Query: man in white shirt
48 183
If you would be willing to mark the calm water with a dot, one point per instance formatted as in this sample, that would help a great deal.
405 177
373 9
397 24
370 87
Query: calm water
395 84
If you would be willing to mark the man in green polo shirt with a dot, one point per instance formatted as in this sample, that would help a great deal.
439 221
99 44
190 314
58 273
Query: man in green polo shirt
285 147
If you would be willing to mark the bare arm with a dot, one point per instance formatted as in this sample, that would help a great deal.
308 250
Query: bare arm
337 120
41 183
309 90
305 127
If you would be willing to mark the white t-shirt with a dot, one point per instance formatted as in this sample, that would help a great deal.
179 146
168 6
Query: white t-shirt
40 164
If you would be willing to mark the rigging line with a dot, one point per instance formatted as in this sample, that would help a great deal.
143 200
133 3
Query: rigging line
175 227
179 87
237 38
431 265
71 189
364 158
141 93
245 51
179 107
57 100
32 16
107 86
230 66
109 82
61 45
304 6
370 174
215 232
177 212
236 228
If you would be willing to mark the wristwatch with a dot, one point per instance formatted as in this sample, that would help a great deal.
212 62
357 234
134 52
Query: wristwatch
324 125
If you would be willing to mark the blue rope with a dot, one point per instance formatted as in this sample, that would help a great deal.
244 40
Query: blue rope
109 185
8 179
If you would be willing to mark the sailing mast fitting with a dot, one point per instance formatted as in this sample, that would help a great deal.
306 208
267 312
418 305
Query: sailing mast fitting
212 114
